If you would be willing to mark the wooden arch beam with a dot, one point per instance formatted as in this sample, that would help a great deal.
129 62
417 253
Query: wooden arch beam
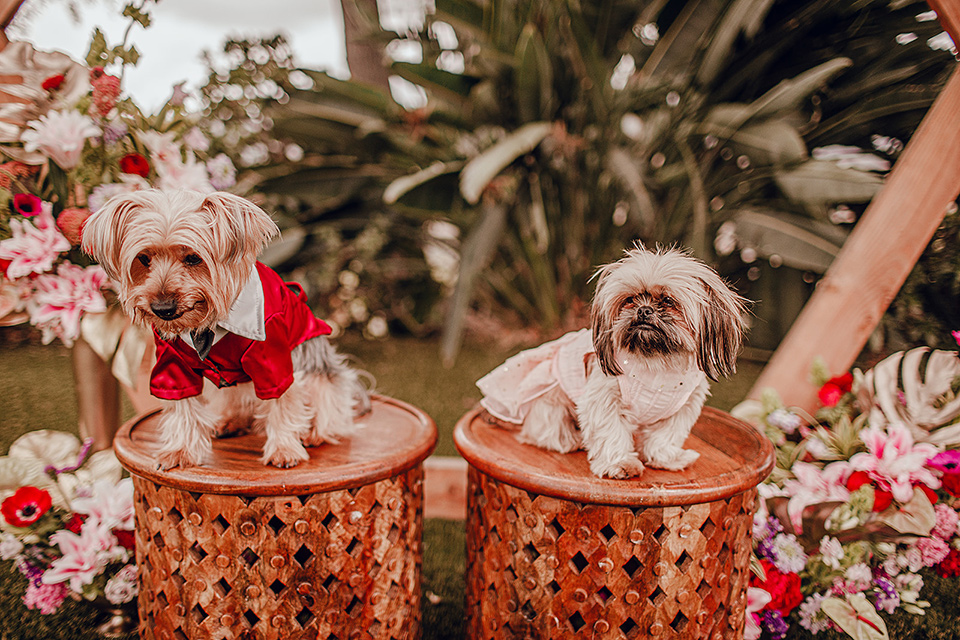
880 252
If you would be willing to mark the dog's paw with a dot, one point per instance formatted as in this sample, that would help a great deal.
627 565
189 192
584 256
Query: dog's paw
171 459
628 467
674 460
286 458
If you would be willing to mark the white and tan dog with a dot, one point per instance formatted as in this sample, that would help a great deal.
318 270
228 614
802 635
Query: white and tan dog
630 389
186 264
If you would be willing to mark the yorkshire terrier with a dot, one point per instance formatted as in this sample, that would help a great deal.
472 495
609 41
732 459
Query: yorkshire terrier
630 389
186 264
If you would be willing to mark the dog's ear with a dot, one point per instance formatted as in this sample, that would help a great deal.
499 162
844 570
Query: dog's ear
102 233
722 328
241 228
601 324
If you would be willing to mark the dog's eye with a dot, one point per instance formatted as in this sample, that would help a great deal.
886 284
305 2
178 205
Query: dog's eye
668 302
192 260
629 302
144 259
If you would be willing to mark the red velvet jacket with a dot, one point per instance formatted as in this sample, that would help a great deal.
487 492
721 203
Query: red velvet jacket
234 358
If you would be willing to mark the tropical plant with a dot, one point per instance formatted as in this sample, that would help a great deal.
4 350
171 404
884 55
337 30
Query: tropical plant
554 134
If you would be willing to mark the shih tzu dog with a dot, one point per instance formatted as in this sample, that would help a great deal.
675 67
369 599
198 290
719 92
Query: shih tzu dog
629 389
186 265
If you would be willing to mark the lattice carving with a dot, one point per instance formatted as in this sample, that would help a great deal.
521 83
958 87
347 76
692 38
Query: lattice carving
542 567
342 564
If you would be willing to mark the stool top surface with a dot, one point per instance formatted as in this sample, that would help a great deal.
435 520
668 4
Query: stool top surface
734 457
393 438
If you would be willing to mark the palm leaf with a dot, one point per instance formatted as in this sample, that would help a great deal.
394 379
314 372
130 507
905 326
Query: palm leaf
485 167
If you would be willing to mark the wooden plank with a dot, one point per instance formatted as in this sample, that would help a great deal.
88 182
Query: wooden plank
948 12
445 488
876 258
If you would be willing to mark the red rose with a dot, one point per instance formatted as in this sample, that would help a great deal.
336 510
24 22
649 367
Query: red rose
70 221
3 265
125 538
53 82
27 204
784 588
106 90
136 164
881 497
26 506
949 567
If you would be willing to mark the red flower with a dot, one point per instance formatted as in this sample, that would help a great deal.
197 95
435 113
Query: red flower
70 221
784 588
881 497
834 388
949 567
53 82
26 506
3 265
951 483
75 523
106 90
136 164
125 538
27 204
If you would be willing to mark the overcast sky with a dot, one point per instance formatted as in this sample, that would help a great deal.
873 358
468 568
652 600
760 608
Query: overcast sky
181 29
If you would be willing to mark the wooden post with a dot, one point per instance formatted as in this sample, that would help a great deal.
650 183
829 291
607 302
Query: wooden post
880 252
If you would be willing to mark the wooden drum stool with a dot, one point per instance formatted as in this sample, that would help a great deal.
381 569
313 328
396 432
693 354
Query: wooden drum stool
328 549
555 552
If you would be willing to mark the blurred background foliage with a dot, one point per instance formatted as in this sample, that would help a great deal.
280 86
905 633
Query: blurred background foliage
537 139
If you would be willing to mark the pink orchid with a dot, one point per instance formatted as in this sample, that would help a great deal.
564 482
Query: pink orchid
84 555
60 300
894 462
757 599
34 245
813 485
110 504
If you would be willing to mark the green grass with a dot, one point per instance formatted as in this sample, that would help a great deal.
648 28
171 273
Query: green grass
38 393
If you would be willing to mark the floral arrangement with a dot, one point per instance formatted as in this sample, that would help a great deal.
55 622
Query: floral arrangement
82 142
66 521
864 496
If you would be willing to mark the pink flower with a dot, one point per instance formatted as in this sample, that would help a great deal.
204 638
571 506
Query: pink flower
34 244
110 504
947 520
813 486
45 597
932 550
83 556
946 461
27 204
60 135
956 336
60 300
179 174
757 599
894 462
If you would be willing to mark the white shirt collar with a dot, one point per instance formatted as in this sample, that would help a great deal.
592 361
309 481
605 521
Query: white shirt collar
246 315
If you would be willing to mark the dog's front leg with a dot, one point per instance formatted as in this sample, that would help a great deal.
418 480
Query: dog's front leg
285 420
661 444
606 429
185 428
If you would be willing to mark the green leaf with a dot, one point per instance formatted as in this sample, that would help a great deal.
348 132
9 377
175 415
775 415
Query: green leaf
743 16
789 94
402 185
800 242
455 86
533 78
478 249
98 49
485 167
137 15
856 616
822 182
768 142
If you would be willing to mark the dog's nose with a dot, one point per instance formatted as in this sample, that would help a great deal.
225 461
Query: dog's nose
645 313
165 308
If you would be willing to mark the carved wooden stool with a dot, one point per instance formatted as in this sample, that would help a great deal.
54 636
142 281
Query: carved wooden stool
555 552
328 549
